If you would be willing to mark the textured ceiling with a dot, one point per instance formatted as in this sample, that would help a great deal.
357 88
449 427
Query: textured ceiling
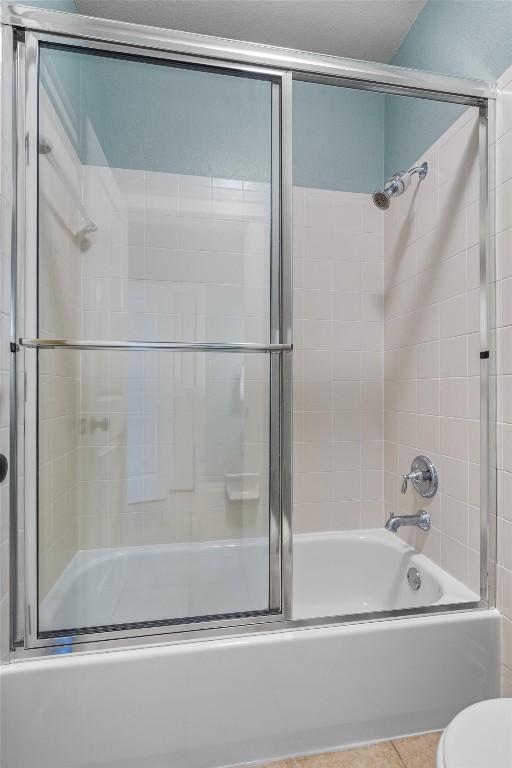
358 29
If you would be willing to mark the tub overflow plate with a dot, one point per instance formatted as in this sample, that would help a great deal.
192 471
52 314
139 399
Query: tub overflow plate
414 579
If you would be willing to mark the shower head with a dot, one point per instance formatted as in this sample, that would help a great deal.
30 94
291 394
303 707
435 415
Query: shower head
381 199
396 186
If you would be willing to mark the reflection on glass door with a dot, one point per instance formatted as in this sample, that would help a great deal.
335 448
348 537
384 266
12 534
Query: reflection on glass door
156 502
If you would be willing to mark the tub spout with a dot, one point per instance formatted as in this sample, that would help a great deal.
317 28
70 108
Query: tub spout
421 520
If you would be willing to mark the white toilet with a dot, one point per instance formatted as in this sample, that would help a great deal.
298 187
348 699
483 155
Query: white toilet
478 737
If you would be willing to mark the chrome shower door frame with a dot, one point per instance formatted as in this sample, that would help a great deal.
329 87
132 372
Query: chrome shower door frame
285 65
278 348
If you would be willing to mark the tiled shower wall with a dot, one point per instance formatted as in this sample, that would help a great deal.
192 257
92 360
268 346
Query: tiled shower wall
504 368
338 342
182 258
385 322
431 359
186 258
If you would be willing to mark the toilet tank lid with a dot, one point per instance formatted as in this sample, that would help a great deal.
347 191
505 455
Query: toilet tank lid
480 735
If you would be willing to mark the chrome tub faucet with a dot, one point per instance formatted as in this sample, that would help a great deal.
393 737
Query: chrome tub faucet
421 520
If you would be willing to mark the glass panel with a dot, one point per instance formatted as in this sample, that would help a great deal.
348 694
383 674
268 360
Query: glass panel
155 217
153 486
154 224
386 330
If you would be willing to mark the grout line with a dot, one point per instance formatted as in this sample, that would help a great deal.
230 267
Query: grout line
398 753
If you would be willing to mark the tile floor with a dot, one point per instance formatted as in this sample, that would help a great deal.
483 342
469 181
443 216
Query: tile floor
412 752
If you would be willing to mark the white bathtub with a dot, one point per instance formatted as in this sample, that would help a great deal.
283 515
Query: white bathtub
352 572
131 584
335 574
208 703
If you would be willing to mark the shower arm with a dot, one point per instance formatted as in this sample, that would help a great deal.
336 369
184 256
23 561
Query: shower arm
421 170
399 182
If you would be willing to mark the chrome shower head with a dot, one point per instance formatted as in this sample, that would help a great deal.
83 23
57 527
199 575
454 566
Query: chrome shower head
396 186
381 199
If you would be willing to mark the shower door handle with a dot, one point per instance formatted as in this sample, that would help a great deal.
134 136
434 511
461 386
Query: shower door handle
199 346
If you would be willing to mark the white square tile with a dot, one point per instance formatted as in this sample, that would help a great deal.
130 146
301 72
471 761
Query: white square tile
452 216
346 365
428 360
504 205
346 305
347 425
452 155
429 397
372 484
454 478
346 275
454 438
346 486
346 395
454 357
347 211
454 397
453 317
318 208
372 454
428 436
318 274
504 158
373 219
346 455
455 518
317 334
506 301
372 277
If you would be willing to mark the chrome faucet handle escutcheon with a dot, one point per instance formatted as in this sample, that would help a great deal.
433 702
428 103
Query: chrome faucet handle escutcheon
423 476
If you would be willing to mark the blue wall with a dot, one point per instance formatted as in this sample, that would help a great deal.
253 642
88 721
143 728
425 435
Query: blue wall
343 139
469 39
60 76
337 138
183 121
411 126
154 117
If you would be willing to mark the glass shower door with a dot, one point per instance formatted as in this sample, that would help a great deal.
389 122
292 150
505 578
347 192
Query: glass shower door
154 351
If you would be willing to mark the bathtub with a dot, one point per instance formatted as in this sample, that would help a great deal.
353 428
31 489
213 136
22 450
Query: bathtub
204 703
335 574
351 572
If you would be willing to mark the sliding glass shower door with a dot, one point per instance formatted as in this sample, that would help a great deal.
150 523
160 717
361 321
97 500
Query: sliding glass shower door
154 340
